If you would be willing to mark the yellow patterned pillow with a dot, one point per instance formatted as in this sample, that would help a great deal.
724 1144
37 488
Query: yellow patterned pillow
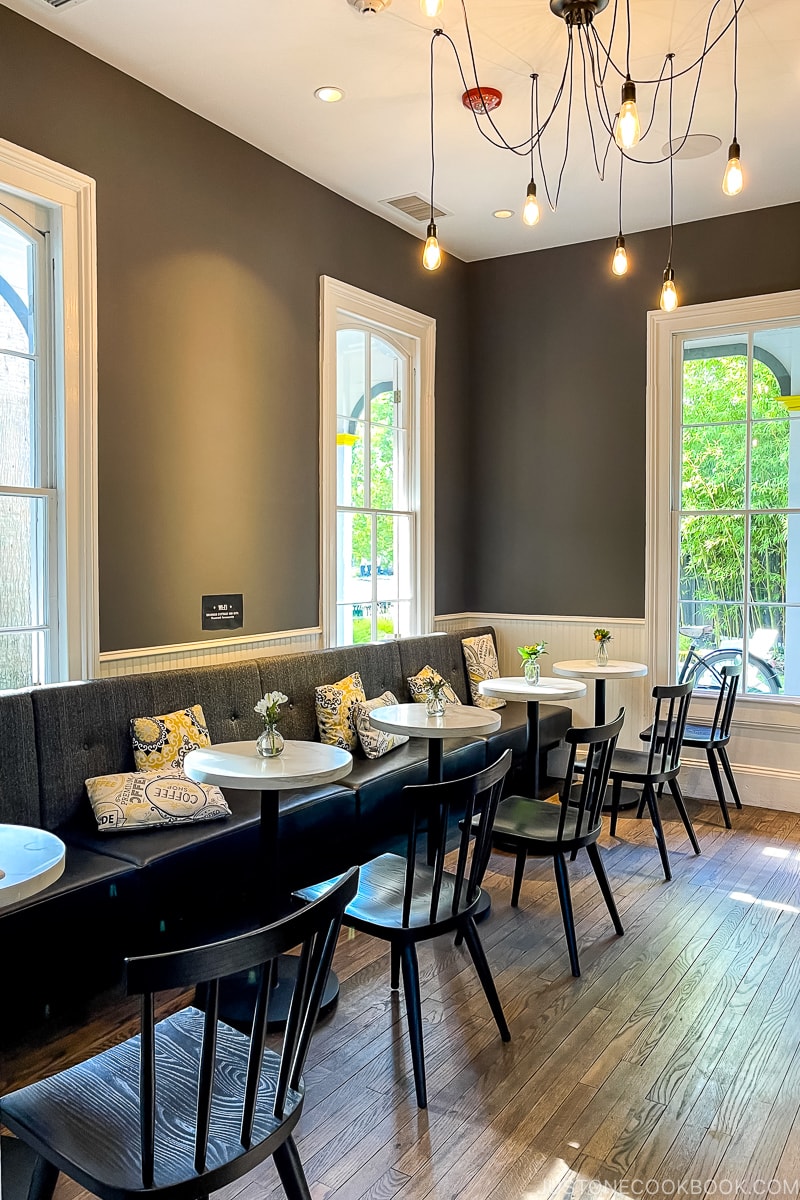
162 743
480 658
335 703
149 799
418 686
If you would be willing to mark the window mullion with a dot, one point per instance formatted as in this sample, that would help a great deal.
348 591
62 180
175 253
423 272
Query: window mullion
748 468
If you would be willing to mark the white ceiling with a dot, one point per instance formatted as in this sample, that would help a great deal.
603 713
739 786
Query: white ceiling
251 66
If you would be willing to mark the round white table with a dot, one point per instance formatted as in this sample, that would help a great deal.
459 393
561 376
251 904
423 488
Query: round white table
516 688
239 765
30 860
458 720
588 668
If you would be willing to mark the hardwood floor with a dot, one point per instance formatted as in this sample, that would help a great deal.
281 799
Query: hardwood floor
674 1058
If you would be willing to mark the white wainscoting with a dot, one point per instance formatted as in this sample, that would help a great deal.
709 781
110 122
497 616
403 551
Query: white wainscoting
765 747
207 654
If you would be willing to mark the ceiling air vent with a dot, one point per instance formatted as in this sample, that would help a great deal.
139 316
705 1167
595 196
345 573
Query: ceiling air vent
416 207
62 3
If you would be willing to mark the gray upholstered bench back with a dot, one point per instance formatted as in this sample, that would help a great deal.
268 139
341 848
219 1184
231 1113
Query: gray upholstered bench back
83 729
79 730
19 773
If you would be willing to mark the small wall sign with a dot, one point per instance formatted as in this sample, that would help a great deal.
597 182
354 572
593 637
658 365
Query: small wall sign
223 612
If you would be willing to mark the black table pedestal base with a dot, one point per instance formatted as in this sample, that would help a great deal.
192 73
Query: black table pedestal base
237 997
629 798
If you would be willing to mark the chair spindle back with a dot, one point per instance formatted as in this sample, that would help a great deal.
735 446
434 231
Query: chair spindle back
315 928
473 796
671 710
726 700
600 741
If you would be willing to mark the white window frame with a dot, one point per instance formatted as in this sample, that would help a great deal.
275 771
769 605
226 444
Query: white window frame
384 317
70 197
665 335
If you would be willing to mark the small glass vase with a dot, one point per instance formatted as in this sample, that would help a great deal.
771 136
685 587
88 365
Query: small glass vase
531 670
602 654
269 744
435 705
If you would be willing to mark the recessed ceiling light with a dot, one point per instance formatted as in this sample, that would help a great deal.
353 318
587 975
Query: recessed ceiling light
330 95
503 214
696 145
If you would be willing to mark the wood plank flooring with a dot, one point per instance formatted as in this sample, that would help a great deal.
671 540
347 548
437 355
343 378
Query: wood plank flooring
675 1058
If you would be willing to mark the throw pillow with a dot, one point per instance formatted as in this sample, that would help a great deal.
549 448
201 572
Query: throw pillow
480 659
149 799
162 743
418 686
335 703
375 742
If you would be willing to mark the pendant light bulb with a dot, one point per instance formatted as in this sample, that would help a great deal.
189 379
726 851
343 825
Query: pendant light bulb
530 210
627 129
431 8
432 254
619 263
669 296
733 180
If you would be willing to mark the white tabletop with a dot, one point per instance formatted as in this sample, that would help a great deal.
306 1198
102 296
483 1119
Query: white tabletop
459 720
588 668
239 765
30 860
516 687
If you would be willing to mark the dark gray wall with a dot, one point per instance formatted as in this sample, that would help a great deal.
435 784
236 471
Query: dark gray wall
209 258
558 405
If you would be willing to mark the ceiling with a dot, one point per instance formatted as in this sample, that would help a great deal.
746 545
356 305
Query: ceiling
251 66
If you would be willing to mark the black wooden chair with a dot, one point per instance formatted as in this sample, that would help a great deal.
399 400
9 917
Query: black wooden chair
650 770
543 830
189 1105
405 899
714 738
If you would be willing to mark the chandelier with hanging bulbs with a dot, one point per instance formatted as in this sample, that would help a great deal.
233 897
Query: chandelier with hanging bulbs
614 125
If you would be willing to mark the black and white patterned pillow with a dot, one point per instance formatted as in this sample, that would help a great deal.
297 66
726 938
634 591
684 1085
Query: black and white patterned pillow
375 742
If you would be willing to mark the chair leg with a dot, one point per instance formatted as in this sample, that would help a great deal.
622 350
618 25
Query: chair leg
562 885
658 828
616 793
291 1172
478 955
640 809
395 967
43 1180
519 871
718 788
408 959
596 860
726 766
677 796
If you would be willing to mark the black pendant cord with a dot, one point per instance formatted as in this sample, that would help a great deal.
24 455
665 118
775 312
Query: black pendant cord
534 81
671 172
621 168
628 40
708 46
735 72
433 147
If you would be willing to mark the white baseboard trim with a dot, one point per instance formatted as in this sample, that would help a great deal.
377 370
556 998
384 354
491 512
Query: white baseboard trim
761 787
208 653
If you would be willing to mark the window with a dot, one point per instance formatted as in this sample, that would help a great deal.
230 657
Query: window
376 447
725 498
28 508
48 460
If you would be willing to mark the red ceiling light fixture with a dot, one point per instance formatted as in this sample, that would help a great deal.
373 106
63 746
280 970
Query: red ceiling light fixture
482 99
